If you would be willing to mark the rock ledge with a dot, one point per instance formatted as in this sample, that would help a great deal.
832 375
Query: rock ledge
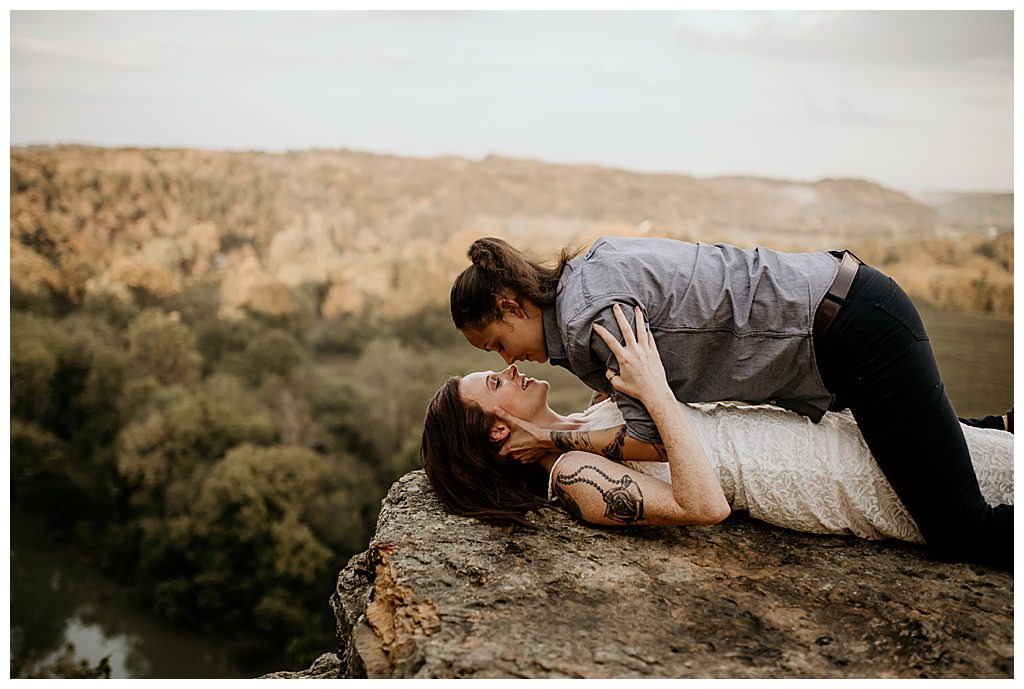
437 595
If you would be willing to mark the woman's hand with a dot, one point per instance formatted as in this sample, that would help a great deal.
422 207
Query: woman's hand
641 373
695 485
526 442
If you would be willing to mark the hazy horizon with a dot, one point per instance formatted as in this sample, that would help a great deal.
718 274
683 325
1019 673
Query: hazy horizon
917 101
775 178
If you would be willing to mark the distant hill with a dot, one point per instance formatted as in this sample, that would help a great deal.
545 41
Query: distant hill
975 211
388 234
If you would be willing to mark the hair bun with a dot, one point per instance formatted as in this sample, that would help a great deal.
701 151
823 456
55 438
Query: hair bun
482 254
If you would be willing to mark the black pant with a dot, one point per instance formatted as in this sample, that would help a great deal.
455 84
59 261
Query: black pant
995 422
877 360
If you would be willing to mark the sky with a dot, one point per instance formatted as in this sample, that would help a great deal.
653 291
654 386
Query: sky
918 101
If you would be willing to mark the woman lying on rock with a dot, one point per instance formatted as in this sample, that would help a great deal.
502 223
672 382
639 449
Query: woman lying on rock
773 463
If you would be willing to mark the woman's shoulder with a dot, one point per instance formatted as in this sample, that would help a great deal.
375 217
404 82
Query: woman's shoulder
599 414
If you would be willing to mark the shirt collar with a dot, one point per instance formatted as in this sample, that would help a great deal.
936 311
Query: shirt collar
552 334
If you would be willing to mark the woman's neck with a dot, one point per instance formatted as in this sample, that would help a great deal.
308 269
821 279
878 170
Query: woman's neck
553 421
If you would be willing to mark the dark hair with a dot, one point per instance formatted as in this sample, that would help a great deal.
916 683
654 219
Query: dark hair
498 266
465 469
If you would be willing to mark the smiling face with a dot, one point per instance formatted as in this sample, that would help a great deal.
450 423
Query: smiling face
518 336
526 398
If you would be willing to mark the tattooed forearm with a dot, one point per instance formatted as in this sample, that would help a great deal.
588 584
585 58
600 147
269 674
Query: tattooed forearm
623 499
566 441
614 448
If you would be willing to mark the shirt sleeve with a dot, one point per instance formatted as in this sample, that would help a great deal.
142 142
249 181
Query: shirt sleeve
598 358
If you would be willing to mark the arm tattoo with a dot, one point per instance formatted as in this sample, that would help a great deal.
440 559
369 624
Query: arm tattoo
623 499
567 502
567 441
614 449
662 452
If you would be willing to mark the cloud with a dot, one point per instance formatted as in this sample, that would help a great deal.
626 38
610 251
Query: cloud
635 86
980 41
117 57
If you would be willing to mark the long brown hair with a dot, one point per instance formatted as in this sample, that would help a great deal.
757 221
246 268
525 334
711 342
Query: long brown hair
498 266
465 469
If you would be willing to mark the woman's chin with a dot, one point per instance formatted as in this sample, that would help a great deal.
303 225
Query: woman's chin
543 388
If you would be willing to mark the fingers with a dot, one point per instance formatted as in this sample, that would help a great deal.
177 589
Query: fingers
609 339
627 332
640 336
641 328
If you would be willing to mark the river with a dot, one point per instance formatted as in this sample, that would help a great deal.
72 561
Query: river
56 599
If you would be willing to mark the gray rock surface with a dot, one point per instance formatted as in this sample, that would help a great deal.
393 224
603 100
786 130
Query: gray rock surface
437 595
327 666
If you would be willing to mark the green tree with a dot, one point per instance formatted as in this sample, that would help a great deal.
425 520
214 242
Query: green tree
177 429
223 341
33 366
255 557
161 346
66 376
391 386
110 307
235 413
272 352
164 441
39 466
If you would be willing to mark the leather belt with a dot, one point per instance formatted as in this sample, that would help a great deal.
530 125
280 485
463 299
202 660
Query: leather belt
828 308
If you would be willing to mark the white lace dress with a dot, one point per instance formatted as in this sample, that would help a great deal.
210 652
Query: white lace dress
782 468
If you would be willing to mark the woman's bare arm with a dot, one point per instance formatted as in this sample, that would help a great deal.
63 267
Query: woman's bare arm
613 443
600 491
530 442
641 375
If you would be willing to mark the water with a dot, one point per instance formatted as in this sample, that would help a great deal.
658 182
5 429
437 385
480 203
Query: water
56 599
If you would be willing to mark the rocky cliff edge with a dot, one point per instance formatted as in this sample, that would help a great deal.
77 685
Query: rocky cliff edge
437 595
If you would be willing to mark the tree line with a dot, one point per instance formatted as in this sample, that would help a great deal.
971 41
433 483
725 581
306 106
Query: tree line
223 469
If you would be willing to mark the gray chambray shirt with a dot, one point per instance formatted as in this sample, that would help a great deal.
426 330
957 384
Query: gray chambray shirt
730 323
